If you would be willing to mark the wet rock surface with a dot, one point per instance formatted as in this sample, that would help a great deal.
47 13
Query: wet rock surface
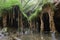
31 37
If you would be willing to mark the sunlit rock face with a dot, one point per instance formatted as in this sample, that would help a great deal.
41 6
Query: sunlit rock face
56 0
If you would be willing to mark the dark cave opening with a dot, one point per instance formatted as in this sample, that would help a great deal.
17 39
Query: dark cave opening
46 21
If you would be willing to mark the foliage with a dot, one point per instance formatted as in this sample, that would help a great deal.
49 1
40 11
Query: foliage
7 4
25 5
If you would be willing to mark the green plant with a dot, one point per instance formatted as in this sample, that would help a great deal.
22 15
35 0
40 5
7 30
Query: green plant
28 5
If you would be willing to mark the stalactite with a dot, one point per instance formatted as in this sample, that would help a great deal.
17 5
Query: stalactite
4 20
51 20
42 24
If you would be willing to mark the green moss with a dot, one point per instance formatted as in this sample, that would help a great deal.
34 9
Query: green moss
9 3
